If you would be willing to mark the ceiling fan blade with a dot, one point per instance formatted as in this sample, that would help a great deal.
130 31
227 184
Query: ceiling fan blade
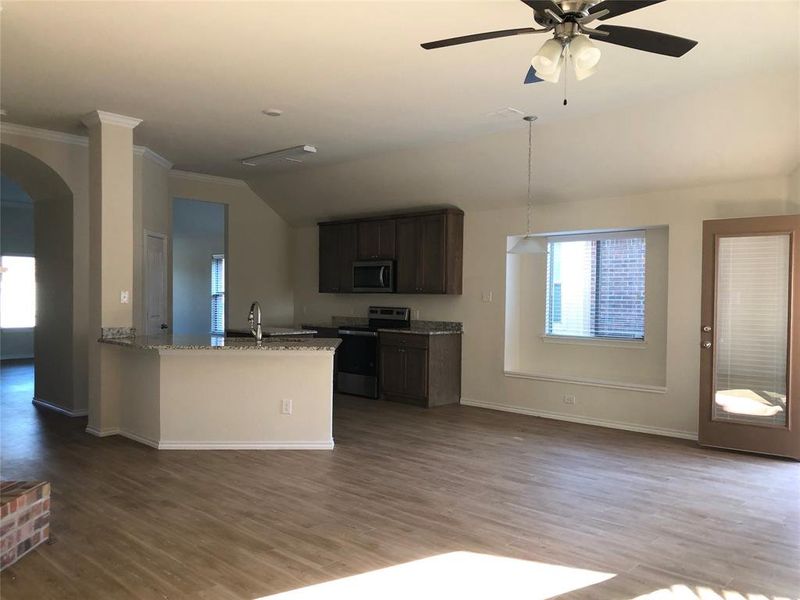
531 76
477 37
644 39
542 5
620 7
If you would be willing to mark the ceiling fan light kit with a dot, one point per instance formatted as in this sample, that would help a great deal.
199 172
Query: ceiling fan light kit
569 22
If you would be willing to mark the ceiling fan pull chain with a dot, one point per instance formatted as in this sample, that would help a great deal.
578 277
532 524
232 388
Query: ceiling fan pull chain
566 73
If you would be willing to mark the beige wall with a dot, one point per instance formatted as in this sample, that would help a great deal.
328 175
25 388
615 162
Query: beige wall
257 261
484 382
65 339
177 399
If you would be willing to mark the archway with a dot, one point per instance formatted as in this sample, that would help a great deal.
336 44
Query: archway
53 249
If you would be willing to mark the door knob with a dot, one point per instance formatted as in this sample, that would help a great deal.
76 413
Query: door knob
706 328
164 326
706 345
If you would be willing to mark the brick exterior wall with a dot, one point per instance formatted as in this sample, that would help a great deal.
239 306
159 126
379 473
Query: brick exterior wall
619 287
25 518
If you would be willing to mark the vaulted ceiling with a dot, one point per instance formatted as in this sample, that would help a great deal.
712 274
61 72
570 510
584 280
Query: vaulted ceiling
352 80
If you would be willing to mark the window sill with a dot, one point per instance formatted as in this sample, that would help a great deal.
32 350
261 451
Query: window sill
600 342
617 385
20 329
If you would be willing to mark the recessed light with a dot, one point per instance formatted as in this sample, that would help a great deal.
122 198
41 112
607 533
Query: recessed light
273 112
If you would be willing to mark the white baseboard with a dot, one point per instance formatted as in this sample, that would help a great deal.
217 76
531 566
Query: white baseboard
674 433
201 445
59 409
176 445
102 432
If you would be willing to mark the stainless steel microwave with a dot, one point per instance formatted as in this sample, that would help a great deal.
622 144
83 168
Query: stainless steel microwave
373 276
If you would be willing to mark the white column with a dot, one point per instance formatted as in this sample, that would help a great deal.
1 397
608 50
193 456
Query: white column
111 250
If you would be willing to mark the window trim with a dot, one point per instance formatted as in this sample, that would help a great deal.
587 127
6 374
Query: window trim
608 342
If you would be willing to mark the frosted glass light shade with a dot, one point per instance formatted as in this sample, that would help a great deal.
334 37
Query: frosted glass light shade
553 76
548 59
530 244
584 53
581 74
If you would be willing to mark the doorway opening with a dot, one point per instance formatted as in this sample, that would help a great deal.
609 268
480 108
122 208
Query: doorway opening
199 252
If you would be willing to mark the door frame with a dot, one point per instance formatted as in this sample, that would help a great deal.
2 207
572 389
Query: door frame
761 439
145 278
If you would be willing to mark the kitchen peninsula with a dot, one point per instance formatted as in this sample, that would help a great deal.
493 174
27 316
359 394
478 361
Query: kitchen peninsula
215 392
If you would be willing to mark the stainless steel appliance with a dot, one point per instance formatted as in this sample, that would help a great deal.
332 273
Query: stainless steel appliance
373 276
358 354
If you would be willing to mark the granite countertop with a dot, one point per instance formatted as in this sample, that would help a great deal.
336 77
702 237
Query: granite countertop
272 331
417 327
218 342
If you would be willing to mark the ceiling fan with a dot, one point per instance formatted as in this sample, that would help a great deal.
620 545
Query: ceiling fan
568 20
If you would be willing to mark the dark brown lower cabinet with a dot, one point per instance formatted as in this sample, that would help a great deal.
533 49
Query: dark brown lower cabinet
420 369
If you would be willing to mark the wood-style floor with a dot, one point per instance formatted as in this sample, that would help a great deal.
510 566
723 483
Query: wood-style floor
402 484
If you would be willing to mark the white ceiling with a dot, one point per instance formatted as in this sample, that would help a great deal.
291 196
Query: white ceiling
353 81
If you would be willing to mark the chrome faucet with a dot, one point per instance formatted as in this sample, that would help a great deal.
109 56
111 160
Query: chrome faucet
254 320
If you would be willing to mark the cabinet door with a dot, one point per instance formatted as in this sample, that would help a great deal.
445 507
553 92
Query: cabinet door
416 372
329 280
369 240
432 263
407 247
386 242
392 369
348 252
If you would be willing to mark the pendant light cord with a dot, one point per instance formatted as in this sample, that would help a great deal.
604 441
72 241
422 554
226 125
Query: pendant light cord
530 169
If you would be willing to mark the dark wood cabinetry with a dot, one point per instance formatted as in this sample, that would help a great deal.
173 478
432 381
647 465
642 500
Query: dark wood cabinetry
420 369
337 251
427 248
376 239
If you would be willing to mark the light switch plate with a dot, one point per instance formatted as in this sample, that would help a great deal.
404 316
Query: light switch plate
487 296
286 406
124 297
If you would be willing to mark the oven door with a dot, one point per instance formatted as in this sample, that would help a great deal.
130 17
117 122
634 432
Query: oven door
357 369
375 276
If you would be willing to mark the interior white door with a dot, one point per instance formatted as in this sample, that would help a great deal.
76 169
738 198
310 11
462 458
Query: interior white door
155 283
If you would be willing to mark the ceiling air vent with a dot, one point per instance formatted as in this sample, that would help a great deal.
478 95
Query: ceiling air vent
295 154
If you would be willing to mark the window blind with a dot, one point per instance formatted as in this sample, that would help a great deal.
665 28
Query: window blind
218 293
752 323
596 285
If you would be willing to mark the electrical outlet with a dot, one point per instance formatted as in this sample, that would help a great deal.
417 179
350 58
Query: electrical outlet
569 399
415 314
124 297
286 406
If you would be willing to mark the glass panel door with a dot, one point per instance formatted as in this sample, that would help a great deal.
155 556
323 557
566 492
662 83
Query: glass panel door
752 316
750 335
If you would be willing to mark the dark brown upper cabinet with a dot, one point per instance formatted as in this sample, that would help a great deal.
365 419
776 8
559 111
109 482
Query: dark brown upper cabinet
429 253
337 251
426 246
376 239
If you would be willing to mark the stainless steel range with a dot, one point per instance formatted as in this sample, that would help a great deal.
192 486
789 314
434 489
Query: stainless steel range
358 354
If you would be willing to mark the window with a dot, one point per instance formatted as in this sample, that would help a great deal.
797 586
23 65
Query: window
218 293
596 286
17 291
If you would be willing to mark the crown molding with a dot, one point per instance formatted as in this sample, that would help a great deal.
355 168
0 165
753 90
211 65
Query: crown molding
43 134
75 140
145 152
108 118
202 177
